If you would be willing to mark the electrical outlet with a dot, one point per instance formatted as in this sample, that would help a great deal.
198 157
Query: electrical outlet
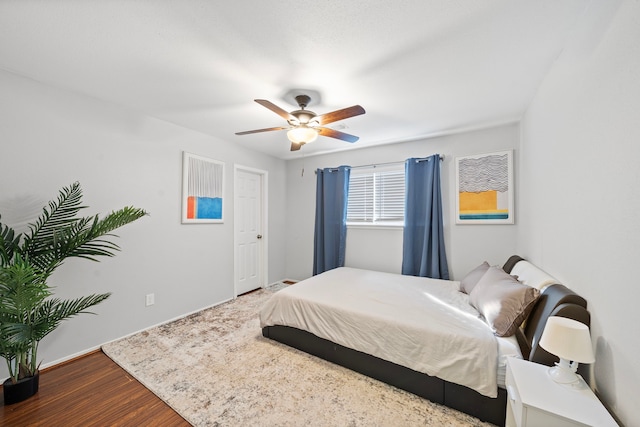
150 300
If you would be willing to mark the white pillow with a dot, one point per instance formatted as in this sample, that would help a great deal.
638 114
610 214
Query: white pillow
533 276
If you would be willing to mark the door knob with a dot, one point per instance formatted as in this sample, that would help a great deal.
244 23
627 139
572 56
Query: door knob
259 236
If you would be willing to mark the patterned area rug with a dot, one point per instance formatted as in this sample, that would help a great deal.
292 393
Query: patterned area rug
215 369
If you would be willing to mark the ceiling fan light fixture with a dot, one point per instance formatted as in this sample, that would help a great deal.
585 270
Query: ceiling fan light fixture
302 134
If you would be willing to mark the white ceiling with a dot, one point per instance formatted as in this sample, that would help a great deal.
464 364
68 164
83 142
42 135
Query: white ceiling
418 67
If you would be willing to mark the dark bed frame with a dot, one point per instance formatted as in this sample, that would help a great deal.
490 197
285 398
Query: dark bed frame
555 300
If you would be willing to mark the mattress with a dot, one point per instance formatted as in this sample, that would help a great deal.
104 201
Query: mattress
507 347
424 324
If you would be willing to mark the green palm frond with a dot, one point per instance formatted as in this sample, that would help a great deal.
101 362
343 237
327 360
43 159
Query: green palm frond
21 287
53 311
57 234
9 243
85 239
61 213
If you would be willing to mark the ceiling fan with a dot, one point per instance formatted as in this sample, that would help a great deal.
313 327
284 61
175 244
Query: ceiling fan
305 125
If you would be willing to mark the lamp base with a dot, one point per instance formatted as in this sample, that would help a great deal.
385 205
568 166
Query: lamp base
563 373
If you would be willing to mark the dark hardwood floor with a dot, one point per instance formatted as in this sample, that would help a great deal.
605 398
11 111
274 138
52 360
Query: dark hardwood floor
89 391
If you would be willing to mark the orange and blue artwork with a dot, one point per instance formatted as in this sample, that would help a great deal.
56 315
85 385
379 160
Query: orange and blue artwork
485 189
203 189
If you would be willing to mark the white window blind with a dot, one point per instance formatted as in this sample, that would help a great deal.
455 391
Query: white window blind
376 196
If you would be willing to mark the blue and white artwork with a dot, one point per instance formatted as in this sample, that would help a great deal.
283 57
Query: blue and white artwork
203 190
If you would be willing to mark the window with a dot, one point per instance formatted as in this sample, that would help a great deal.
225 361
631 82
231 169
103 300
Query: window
376 196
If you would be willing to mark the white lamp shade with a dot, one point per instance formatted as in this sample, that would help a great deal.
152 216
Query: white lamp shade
302 134
568 339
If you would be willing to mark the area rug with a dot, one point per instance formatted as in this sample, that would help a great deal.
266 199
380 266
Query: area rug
215 369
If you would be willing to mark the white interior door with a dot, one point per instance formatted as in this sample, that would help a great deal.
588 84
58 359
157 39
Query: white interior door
250 239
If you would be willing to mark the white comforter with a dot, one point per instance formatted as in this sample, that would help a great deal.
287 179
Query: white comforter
424 324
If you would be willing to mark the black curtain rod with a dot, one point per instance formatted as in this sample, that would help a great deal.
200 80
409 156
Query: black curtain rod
423 159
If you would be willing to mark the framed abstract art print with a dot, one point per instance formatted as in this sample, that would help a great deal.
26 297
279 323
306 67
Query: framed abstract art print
484 189
202 190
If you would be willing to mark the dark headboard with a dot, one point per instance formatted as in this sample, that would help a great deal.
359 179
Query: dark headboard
555 300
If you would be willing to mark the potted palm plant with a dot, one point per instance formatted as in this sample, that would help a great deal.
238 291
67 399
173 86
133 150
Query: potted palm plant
28 309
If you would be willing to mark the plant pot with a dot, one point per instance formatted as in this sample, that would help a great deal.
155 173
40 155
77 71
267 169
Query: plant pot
22 390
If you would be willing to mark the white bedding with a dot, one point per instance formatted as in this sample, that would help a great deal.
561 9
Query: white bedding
424 324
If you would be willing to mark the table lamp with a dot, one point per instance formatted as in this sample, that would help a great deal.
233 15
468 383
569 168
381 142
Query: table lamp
571 342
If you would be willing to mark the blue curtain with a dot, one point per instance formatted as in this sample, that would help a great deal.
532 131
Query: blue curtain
423 252
330 238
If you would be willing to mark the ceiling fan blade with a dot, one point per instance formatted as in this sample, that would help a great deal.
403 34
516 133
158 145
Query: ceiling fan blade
345 113
273 107
332 133
295 146
247 132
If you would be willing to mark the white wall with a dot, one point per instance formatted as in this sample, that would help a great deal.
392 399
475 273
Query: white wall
50 138
466 245
579 188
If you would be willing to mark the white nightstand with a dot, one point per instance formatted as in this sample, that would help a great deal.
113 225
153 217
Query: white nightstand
534 399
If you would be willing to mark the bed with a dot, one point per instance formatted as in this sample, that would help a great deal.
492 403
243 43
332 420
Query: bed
438 339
